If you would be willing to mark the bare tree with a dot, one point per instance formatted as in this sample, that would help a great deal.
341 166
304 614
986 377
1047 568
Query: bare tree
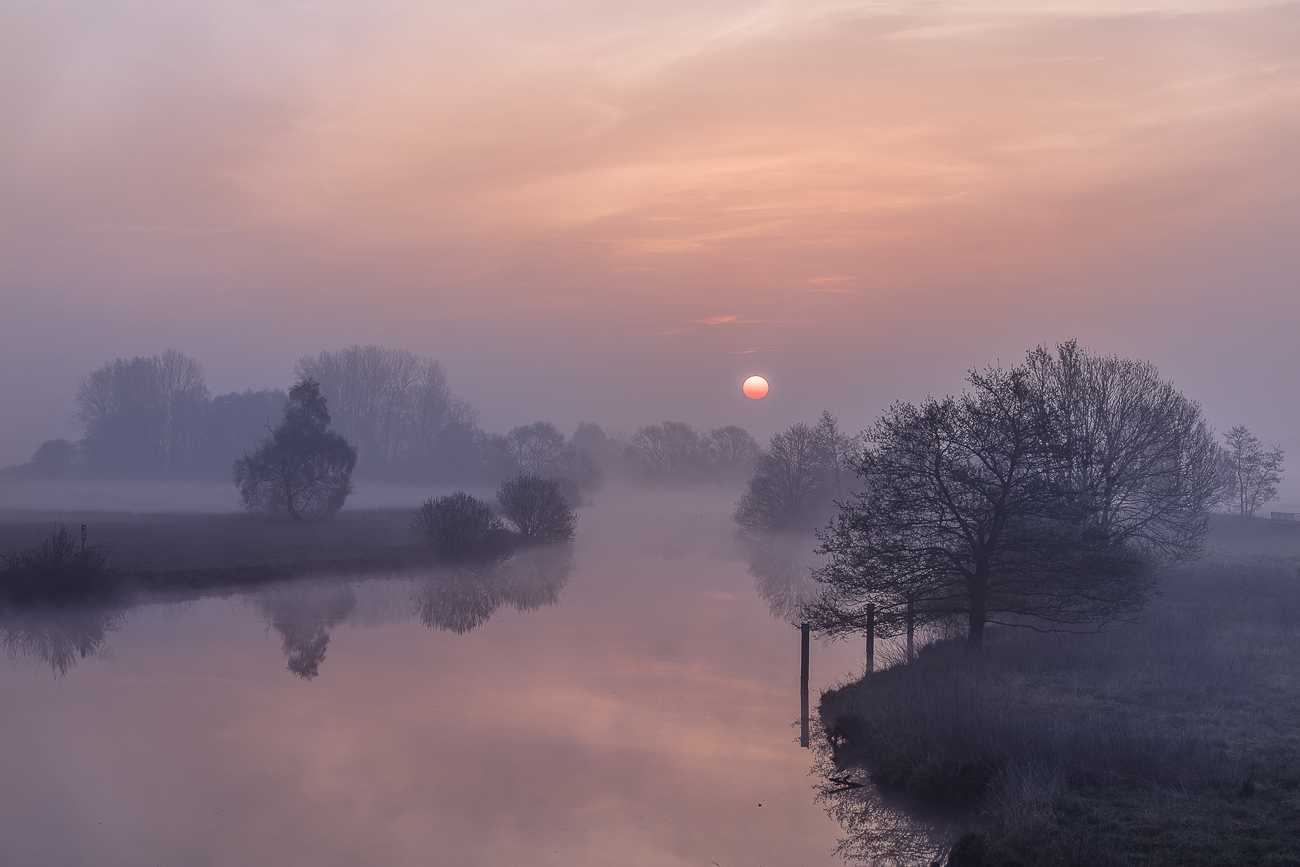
535 448
1253 471
668 452
395 406
538 508
304 469
1139 458
142 416
731 451
1043 496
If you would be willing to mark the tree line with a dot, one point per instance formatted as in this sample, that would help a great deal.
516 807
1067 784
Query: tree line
1046 494
154 418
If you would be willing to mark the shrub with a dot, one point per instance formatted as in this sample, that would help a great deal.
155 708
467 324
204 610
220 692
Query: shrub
55 566
460 527
538 508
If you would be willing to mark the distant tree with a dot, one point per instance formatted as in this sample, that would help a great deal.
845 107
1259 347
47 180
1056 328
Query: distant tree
398 410
304 469
794 481
1044 495
731 451
233 424
143 416
608 450
838 450
1253 471
668 452
54 459
461 527
538 508
536 447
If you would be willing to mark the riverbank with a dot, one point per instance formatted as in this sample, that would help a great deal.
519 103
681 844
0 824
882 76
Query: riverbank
178 551
1173 740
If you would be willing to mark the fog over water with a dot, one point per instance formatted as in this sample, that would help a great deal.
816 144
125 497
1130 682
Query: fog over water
639 715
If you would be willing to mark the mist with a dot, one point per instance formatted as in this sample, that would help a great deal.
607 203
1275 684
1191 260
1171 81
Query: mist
376 473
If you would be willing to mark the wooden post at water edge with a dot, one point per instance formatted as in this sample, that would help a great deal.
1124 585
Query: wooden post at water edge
871 638
803 686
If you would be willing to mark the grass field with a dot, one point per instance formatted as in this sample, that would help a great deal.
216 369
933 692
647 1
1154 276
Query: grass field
1173 740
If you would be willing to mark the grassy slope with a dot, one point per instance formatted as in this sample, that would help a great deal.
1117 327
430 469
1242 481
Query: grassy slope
189 550
1175 740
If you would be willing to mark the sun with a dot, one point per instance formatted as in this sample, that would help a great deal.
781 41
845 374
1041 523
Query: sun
755 387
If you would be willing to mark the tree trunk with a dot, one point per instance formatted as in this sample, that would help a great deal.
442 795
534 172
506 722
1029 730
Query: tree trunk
978 613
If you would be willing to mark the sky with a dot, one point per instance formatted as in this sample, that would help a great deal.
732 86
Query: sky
617 211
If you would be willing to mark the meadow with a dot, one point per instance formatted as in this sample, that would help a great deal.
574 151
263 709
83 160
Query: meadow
1174 739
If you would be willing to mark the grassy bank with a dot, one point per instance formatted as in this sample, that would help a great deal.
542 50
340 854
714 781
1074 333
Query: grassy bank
191 551
1174 740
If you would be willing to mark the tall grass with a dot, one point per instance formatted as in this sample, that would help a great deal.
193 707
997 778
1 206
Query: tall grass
57 565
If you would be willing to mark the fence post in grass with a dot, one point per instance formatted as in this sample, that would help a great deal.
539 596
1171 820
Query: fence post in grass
803 685
871 637
911 623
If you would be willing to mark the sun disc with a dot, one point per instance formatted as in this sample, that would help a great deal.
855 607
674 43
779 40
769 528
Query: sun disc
755 387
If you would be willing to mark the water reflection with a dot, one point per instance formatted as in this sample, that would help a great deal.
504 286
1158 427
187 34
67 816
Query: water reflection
304 616
879 829
459 599
781 566
58 637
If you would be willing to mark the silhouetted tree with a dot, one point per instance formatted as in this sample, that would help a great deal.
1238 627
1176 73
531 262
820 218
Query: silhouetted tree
1018 500
795 479
460 527
304 469
1253 472
538 509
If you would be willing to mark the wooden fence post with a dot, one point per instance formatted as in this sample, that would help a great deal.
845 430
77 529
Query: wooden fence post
803 685
871 637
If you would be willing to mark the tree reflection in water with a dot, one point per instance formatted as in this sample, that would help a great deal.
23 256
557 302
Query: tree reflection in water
58 636
304 616
782 566
879 829
458 599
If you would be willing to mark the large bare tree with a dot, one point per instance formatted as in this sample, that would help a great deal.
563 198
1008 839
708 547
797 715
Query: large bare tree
1043 496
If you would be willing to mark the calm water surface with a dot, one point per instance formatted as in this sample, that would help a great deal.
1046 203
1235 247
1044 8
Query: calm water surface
633 705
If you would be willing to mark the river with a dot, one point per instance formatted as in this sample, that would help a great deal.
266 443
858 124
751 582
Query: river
631 703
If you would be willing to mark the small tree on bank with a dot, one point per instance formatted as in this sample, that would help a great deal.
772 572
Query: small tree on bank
460 527
304 469
1045 494
538 509
1253 472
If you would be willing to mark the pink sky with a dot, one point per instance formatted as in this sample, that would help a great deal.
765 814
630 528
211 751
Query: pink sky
617 211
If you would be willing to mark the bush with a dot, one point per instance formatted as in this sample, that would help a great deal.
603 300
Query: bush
538 508
460 527
55 566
